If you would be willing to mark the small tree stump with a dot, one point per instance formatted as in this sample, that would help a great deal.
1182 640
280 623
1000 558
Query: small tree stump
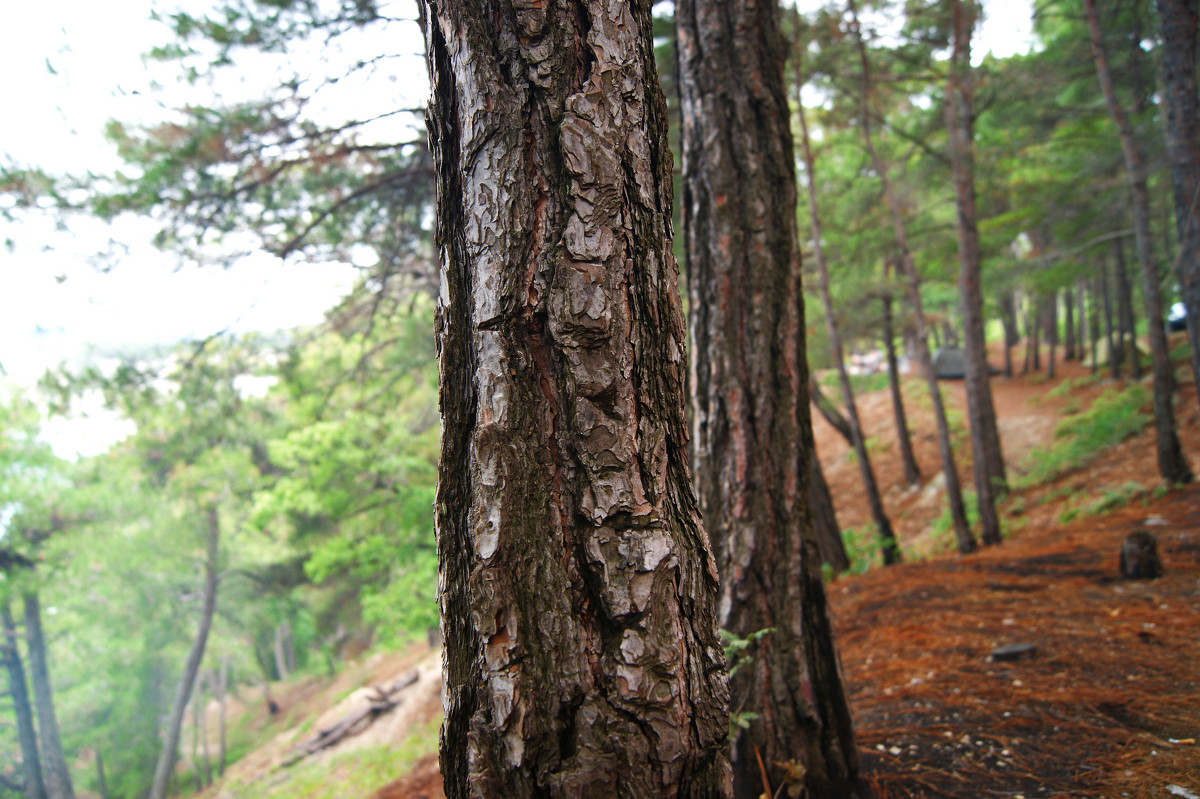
1139 556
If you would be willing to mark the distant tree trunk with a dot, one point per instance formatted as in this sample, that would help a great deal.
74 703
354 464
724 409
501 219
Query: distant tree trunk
191 667
577 586
752 427
912 474
958 514
1128 337
1008 316
883 525
825 523
58 774
101 781
1052 333
222 684
988 460
1095 325
1171 463
1036 324
1114 361
829 411
31 764
1081 336
1069 352
1178 21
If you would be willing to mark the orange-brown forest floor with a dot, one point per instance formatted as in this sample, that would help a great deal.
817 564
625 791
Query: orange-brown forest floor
1109 703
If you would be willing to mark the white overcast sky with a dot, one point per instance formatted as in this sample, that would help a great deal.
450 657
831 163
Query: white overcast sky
53 303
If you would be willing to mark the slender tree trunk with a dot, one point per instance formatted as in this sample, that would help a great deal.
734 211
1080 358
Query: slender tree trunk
988 460
751 419
1095 325
1128 338
825 523
191 667
1052 333
958 514
1069 350
101 781
1008 315
1081 335
1114 361
57 773
1036 323
1178 21
31 764
577 587
912 475
1171 463
883 526
829 411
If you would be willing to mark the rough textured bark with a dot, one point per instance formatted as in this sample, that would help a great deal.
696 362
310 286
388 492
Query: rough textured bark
912 474
1178 21
751 420
191 667
825 523
988 460
57 776
31 763
577 587
958 513
883 525
1171 463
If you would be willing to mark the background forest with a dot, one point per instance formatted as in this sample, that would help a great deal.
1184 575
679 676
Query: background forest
270 512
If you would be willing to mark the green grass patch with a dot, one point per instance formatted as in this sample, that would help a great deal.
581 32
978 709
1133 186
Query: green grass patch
1111 419
359 772
942 530
862 548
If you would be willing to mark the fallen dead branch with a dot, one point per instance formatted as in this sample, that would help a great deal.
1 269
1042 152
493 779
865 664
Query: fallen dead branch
383 698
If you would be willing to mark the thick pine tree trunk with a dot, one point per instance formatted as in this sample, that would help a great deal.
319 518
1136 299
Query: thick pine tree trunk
988 460
912 474
57 774
191 667
1178 21
883 525
577 587
1171 463
753 434
958 513
31 763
